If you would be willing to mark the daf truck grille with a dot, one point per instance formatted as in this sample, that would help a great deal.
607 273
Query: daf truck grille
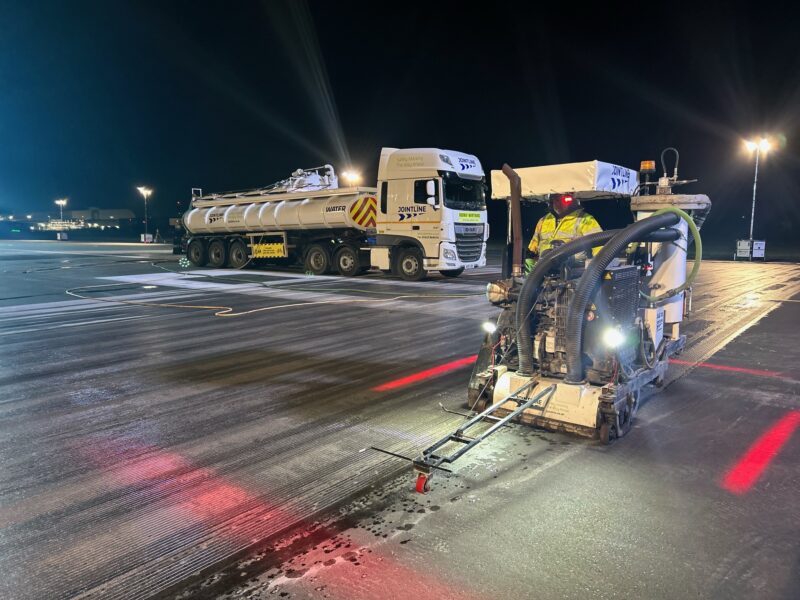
469 242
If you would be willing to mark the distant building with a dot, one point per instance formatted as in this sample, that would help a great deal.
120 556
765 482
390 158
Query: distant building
102 216
93 217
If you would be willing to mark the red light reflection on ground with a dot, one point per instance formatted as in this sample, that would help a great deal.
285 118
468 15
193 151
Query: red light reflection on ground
203 497
376 574
198 494
744 370
426 374
747 470
468 360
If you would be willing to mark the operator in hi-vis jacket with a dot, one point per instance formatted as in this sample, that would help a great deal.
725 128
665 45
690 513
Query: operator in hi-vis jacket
565 222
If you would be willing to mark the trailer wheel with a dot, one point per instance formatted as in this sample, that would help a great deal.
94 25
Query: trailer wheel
452 272
318 260
409 265
196 253
217 254
347 262
237 255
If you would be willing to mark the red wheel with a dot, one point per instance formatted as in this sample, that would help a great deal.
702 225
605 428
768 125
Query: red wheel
422 486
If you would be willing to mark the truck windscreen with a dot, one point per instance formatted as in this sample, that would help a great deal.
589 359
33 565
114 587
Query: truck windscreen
464 194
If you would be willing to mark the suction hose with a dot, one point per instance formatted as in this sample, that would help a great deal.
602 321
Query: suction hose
591 278
552 259
698 255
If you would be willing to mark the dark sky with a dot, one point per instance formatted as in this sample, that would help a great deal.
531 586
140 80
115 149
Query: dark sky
98 97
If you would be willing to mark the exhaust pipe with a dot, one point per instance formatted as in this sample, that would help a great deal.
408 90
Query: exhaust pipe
515 183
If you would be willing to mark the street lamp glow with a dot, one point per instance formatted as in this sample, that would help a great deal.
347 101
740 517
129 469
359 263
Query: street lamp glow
762 145
146 192
351 177
62 202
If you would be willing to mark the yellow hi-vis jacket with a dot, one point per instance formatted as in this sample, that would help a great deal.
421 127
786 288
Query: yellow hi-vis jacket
567 228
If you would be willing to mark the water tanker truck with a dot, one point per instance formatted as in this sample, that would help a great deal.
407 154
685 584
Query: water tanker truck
427 213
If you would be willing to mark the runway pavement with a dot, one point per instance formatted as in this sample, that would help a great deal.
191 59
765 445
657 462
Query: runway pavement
159 423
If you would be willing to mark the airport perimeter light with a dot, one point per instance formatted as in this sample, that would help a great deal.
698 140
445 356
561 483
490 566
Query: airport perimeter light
62 202
762 145
146 192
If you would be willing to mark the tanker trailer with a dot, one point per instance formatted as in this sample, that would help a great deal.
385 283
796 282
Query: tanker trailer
427 213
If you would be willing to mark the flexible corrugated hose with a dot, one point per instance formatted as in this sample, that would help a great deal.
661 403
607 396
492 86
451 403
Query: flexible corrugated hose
587 285
530 289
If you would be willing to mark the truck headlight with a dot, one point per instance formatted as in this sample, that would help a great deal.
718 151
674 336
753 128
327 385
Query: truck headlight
449 254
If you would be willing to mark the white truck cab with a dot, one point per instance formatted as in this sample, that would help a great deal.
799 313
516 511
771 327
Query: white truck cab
434 200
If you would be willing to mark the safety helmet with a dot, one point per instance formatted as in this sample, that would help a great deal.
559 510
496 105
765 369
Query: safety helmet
563 204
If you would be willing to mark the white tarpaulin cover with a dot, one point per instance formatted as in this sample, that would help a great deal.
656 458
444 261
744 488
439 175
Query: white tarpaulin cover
586 180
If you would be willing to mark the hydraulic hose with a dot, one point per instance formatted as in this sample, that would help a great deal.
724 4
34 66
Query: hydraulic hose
591 278
530 289
698 255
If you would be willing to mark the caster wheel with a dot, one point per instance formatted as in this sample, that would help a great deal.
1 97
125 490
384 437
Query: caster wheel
605 433
626 421
423 484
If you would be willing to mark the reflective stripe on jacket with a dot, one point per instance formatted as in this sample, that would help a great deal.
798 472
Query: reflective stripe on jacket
566 229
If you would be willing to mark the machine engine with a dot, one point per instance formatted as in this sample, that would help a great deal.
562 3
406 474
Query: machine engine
610 322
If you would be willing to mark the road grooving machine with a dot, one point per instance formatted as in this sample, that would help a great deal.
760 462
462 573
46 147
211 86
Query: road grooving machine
580 336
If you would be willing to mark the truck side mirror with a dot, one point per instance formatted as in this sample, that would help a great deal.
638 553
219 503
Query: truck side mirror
432 201
430 189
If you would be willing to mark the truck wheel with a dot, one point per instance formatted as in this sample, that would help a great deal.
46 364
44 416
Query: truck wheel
237 255
409 265
196 253
452 272
347 262
318 260
217 254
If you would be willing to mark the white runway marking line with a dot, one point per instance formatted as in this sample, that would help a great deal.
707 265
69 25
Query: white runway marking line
461 306
95 254
374 279
69 307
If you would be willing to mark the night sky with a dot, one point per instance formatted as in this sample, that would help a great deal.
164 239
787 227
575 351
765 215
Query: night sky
96 98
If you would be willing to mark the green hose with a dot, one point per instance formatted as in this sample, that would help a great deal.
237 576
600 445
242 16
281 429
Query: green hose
698 255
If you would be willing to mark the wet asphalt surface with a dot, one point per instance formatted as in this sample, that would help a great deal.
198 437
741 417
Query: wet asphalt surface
165 451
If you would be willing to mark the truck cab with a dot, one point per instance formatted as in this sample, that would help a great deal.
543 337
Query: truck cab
431 206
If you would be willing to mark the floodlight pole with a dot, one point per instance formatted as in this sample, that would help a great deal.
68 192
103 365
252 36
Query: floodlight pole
753 209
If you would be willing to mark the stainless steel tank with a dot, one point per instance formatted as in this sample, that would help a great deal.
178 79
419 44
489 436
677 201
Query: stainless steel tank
339 211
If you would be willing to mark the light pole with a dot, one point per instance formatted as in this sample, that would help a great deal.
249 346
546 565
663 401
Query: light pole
145 192
758 147
62 202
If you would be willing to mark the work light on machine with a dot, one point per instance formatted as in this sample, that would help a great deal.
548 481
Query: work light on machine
489 327
613 337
